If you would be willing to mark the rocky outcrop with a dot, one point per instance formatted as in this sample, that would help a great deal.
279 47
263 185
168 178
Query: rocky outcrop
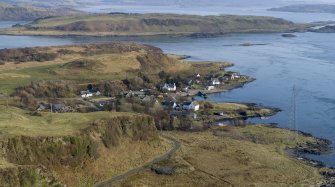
325 29
318 147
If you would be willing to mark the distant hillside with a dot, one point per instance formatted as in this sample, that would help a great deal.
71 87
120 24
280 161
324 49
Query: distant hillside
190 3
186 3
153 24
46 3
13 13
309 8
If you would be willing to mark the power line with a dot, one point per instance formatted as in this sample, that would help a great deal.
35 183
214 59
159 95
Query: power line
293 111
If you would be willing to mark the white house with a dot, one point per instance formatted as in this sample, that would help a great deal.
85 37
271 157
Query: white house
170 87
86 94
209 88
235 76
232 76
191 106
215 82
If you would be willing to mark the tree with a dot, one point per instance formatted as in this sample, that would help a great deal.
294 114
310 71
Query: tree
107 89
90 87
162 75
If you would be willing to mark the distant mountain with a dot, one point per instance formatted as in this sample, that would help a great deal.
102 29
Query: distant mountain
235 3
50 3
13 13
186 3
309 8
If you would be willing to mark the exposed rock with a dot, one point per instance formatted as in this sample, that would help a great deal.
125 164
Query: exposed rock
319 147
325 29
163 170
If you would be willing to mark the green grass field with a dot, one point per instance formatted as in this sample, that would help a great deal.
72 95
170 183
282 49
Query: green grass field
16 122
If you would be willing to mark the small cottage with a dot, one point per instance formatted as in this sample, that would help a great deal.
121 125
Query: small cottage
215 82
86 94
209 88
231 76
170 87
193 106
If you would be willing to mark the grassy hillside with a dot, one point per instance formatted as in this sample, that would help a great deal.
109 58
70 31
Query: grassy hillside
73 149
152 24
92 63
51 3
13 13
232 156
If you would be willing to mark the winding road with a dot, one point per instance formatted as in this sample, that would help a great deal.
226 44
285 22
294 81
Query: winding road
172 151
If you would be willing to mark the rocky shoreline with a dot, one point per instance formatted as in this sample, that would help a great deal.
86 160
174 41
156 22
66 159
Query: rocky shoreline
319 147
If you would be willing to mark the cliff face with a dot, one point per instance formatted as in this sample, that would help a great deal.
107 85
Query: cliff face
32 160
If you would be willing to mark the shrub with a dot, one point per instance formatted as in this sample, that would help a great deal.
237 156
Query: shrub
25 55
208 105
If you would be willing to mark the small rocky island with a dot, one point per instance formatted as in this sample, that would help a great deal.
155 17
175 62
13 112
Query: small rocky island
289 35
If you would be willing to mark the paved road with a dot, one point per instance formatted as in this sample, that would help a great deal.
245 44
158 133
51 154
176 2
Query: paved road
176 146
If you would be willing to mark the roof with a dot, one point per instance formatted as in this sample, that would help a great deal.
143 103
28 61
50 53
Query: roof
190 102
168 103
170 85
215 79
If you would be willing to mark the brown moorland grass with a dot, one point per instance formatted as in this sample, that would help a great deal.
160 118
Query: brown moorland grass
234 158
233 110
112 162
128 154
94 62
